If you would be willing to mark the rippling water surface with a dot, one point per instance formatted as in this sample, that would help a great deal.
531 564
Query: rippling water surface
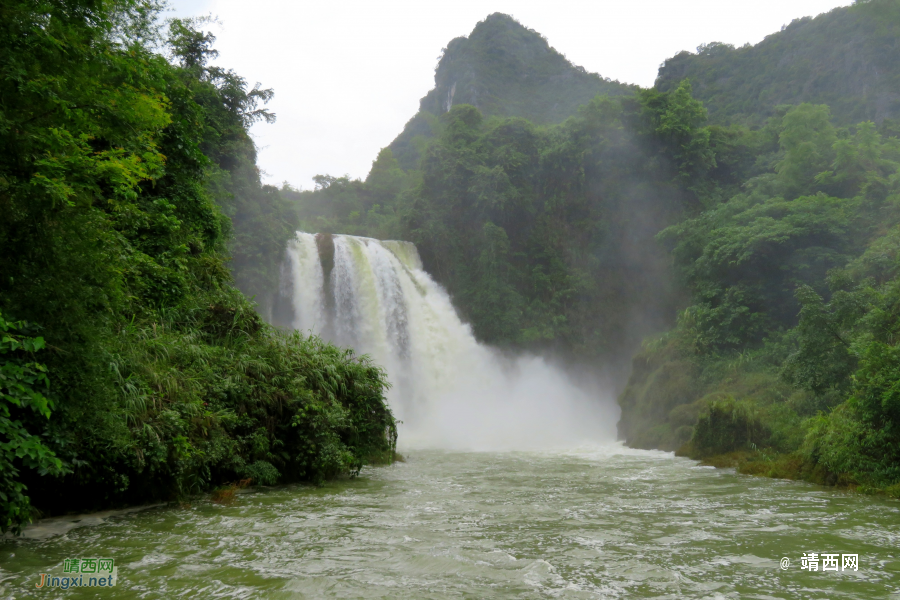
589 523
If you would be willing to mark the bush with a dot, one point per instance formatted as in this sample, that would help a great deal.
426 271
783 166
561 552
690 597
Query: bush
262 473
728 425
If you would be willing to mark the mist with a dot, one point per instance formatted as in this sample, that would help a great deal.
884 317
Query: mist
524 403
448 390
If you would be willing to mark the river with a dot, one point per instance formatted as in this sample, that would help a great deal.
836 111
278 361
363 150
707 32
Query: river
591 522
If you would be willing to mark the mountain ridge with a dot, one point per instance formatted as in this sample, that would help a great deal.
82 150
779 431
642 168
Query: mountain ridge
506 70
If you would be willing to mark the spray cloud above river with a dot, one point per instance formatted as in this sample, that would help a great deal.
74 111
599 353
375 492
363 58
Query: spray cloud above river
450 391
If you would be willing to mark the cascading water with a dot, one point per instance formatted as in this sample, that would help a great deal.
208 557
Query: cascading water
450 391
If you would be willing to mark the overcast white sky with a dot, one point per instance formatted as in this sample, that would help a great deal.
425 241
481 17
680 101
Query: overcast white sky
348 74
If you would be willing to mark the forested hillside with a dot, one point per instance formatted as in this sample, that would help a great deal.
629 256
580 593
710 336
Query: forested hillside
846 58
753 252
793 313
131 367
785 361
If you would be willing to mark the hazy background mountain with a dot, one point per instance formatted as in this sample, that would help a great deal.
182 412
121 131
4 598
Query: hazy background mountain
846 58
503 69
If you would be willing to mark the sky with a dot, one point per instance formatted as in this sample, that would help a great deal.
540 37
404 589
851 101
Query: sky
348 74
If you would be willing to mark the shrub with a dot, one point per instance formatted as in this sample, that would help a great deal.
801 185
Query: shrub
728 425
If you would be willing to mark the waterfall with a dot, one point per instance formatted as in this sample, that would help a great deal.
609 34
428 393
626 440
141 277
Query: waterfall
449 390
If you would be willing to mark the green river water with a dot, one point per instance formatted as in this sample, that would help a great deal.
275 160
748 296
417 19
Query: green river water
594 522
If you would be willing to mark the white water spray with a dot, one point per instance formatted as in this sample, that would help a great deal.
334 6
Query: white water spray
450 391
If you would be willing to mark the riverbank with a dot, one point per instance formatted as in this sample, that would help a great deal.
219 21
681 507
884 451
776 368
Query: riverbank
791 466
43 529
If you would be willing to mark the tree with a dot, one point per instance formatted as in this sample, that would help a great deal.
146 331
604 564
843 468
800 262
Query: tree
23 405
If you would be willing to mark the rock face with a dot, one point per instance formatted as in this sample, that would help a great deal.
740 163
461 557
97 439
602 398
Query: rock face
503 69
848 58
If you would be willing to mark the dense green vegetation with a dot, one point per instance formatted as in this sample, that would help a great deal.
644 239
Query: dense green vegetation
759 265
790 343
131 367
757 260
